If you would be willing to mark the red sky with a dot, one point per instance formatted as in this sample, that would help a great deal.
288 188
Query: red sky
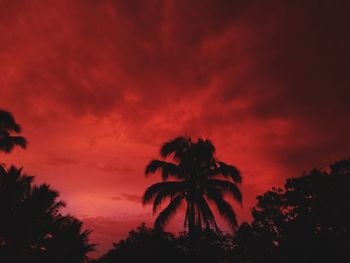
98 86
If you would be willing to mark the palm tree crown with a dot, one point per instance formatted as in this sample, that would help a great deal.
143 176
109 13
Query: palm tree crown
199 178
8 126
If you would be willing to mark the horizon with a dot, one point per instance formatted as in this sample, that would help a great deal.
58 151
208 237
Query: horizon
99 86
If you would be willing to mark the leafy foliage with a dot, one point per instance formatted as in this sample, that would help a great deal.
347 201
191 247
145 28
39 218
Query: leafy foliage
148 245
31 226
306 221
144 245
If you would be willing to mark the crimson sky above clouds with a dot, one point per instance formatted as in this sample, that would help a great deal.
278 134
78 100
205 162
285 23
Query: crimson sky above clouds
98 86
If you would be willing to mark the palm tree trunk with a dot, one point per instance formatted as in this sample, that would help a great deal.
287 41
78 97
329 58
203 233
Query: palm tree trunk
191 219
192 231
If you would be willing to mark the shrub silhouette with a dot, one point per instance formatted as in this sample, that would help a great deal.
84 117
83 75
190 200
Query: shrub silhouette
31 227
211 246
144 245
306 221
148 245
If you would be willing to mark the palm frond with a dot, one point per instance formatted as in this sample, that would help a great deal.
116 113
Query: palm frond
7 122
56 207
224 208
168 212
206 212
187 215
2 170
227 187
19 141
167 169
163 194
206 146
7 143
176 147
229 171
167 187
46 198
15 176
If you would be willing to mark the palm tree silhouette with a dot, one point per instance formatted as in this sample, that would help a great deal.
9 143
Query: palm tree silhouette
69 242
8 126
32 229
196 173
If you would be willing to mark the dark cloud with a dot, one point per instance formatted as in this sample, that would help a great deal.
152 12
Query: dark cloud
132 197
62 161
107 82
128 197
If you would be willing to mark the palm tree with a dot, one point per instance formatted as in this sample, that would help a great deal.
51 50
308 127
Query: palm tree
8 126
199 178
32 229
69 242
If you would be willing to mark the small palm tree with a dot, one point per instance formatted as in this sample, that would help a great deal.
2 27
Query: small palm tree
197 180
8 126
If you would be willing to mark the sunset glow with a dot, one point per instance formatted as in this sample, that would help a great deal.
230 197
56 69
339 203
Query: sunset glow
99 86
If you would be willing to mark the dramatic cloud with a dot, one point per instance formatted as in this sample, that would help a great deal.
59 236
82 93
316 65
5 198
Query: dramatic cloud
98 86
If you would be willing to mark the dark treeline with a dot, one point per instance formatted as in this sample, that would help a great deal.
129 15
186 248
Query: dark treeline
307 220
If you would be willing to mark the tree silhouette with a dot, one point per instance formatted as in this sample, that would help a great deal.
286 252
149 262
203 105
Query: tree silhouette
149 245
306 221
197 181
211 246
8 127
144 245
31 227
68 243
